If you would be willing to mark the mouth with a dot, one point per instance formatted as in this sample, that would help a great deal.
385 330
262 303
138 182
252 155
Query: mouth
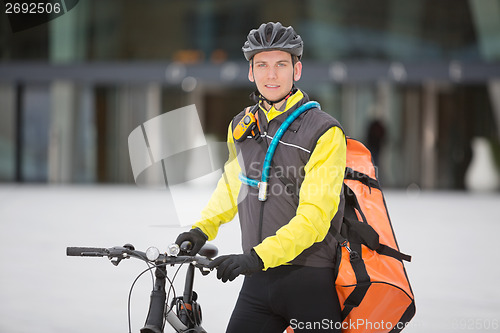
272 86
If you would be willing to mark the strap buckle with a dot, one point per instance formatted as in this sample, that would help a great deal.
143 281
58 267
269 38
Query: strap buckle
353 255
344 245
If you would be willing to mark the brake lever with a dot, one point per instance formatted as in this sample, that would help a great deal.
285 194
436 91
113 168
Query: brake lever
204 270
118 253
202 265
115 261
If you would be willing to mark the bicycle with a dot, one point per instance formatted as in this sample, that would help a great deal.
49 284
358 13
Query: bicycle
184 312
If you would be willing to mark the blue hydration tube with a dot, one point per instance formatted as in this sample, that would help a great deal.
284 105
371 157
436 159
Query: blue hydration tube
247 181
263 184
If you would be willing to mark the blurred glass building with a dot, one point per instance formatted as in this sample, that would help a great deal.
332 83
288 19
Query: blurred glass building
416 80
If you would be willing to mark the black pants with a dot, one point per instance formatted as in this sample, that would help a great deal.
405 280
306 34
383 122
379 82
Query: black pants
301 297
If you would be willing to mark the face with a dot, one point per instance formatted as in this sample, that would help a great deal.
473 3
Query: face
273 72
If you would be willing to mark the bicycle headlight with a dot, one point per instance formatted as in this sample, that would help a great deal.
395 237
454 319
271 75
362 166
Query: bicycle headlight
152 253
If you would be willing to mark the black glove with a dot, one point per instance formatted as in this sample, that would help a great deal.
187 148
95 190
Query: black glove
230 266
196 237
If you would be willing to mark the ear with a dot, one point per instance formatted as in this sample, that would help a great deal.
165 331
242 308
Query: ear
250 73
297 71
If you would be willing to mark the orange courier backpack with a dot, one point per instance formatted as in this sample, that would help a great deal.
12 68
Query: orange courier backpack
373 289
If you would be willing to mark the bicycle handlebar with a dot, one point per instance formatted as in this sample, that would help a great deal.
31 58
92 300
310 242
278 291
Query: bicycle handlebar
118 253
86 252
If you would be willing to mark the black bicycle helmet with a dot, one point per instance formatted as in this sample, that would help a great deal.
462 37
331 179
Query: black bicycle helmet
273 36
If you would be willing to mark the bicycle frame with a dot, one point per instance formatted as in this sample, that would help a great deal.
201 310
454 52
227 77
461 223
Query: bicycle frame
156 314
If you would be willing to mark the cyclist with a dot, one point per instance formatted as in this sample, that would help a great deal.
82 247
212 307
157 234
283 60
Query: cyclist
288 253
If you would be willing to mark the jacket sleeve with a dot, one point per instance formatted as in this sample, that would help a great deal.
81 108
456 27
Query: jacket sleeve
319 199
222 206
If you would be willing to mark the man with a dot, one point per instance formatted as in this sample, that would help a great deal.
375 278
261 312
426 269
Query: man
289 254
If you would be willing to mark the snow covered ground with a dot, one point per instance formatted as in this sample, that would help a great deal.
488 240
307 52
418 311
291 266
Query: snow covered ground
452 237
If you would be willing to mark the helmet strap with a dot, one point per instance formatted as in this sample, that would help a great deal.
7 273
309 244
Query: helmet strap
257 97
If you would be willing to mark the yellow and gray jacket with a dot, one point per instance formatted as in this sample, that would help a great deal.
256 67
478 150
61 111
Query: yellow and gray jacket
299 211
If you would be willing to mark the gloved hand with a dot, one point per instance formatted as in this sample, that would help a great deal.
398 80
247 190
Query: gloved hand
196 237
230 266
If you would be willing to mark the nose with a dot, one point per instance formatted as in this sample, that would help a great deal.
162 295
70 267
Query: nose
271 73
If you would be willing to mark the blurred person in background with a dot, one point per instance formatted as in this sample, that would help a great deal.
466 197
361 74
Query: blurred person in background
288 254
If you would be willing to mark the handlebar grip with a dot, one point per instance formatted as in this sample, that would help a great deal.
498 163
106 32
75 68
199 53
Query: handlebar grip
208 250
86 252
186 246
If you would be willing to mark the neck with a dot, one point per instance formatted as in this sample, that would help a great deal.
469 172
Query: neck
278 105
